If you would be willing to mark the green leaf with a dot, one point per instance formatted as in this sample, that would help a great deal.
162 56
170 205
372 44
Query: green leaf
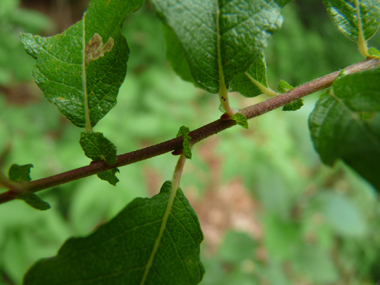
109 176
18 173
184 131
219 39
81 70
374 52
293 106
139 246
244 85
342 215
283 87
345 124
34 201
97 147
175 55
241 120
344 14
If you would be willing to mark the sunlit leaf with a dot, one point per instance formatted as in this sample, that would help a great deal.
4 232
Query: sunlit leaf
81 70
152 241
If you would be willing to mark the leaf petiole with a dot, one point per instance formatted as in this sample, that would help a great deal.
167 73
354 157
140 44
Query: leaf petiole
362 43
265 90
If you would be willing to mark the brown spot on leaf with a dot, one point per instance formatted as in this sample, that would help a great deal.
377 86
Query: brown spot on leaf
95 48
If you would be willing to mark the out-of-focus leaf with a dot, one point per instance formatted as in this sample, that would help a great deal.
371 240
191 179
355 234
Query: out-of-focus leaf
374 52
34 201
81 70
343 216
219 39
310 261
110 176
345 124
152 241
243 84
236 247
350 15
18 173
97 147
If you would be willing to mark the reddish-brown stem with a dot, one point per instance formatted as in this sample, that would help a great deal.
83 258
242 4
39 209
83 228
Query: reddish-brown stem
196 135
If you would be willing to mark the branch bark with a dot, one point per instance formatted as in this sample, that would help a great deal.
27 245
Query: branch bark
196 135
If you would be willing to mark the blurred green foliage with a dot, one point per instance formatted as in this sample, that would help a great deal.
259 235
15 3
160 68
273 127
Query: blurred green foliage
319 224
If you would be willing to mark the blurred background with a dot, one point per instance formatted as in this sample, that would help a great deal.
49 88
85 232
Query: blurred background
271 213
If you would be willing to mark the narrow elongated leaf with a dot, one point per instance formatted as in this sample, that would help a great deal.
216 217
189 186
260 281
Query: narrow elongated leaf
81 70
141 245
218 39
97 147
243 84
345 124
352 15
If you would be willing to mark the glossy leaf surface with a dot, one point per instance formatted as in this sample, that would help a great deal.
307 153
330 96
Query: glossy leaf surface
352 15
137 247
217 40
81 70
345 124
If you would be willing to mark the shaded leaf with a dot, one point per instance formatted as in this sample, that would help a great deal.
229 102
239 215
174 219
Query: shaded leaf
34 201
345 124
81 70
244 85
109 176
241 120
344 14
18 173
184 131
131 248
219 39
97 147
342 215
